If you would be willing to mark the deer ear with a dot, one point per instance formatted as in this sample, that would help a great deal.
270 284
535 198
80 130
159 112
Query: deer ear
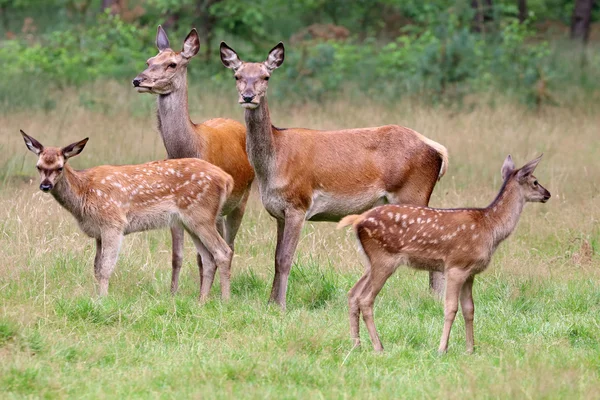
275 57
73 149
162 41
530 167
191 44
507 168
32 144
229 57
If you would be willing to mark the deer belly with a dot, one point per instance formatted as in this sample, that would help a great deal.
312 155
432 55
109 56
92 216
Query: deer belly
150 219
333 207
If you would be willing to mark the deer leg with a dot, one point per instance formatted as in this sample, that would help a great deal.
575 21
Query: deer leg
221 255
455 278
177 256
468 311
234 220
377 277
288 235
98 256
354 309
111 243
207 273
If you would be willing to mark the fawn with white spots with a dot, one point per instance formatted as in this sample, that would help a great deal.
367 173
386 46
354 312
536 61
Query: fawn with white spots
109 202
459 242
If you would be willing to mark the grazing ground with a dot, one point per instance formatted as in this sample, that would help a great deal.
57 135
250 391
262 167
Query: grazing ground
537 306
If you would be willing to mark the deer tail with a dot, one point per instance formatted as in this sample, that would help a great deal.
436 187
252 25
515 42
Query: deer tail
350 220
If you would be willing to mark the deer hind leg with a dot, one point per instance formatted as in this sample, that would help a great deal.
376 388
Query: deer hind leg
288 236
207 238
468 311
455 279
110 245
354 309
177 256
207 273
234 220
380 271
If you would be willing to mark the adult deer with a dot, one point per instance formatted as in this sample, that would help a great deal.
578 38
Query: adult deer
315 175
459 242
109 202
219 141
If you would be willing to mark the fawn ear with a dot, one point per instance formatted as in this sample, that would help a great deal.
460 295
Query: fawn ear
507 167
191 44
162 41
73 149
275 57
530 167
229 57
32 144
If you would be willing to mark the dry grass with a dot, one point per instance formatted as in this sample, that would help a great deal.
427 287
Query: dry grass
46 265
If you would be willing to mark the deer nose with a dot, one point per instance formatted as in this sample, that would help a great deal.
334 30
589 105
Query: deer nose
136 81
45 187
248 98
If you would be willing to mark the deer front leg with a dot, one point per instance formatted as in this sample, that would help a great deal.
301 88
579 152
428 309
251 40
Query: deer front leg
468 310
288 235
177 256
110 243
234 220
455 278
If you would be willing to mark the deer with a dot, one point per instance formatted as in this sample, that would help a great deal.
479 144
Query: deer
219 141
310 175
460 242
110 202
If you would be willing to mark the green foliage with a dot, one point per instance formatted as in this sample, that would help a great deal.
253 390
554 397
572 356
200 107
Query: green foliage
110 47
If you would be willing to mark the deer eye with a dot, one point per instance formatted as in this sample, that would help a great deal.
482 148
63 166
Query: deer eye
60 169
535 183
237 78
172 65
38 167
266 78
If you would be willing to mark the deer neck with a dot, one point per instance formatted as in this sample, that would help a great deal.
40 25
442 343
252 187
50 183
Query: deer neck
260 142
69 190
505 210
176 128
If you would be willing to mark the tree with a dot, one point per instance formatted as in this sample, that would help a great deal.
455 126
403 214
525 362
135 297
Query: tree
483 10
580 23
522 10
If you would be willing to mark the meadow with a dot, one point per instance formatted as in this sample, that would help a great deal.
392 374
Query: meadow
537 330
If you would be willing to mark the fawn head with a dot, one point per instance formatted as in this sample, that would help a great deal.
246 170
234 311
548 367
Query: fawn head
252 79
166 70
529 186
51 160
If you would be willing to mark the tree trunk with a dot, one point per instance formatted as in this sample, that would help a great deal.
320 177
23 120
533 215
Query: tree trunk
522 11
580 23
437 283
483 13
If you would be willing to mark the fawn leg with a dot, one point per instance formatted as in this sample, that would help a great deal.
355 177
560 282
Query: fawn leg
455 278
111 243
468 310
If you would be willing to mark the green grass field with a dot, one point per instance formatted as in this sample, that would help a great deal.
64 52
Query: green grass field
537 314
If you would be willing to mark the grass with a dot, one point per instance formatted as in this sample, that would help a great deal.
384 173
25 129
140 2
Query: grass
536 326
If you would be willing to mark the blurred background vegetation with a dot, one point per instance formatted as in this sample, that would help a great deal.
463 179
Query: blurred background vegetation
450 52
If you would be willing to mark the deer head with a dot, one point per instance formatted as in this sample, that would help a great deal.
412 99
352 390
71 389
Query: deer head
166 70
51 160
252 79
528 184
